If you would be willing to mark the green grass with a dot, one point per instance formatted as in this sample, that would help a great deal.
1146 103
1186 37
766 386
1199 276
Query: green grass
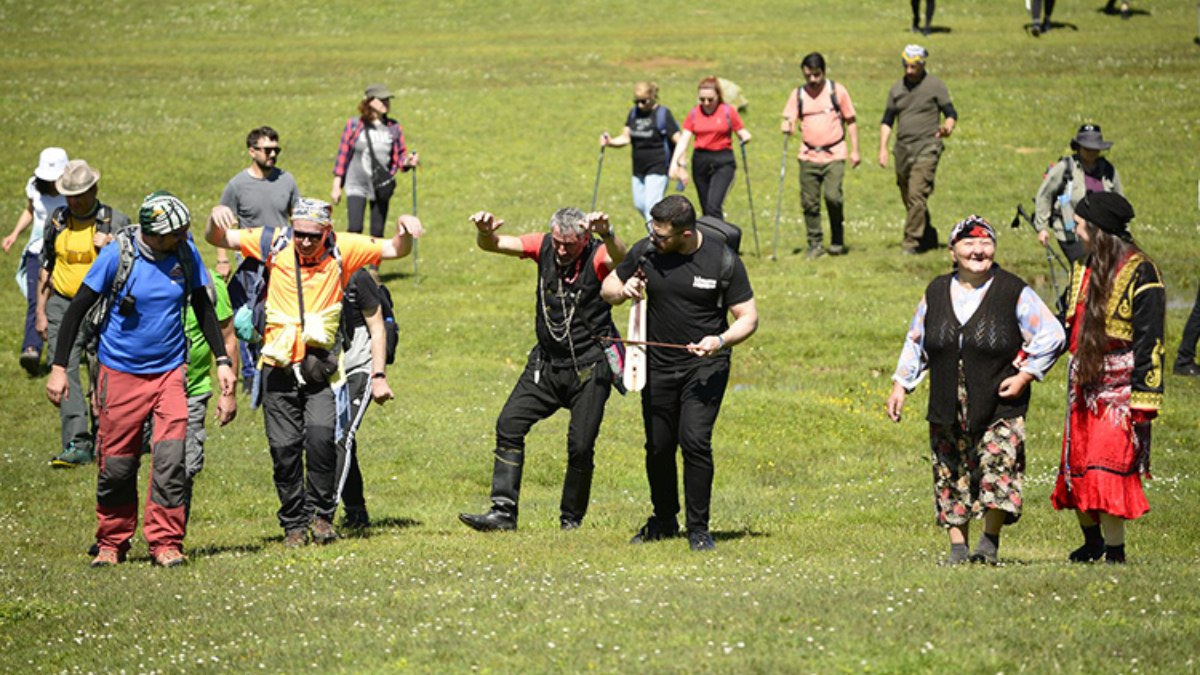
827 553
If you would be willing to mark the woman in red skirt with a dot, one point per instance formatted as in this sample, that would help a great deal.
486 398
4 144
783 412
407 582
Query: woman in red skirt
1115 379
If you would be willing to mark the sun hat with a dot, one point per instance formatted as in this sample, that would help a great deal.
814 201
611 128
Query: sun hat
77 178
163 213
51 164
1090 137
378 91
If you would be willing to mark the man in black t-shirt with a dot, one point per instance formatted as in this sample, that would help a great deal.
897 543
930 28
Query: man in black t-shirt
568 368
691 283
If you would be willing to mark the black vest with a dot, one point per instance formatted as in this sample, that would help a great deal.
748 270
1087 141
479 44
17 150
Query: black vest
580 289
990 342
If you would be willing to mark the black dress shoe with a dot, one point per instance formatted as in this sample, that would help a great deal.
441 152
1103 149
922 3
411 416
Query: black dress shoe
492 521
1187 370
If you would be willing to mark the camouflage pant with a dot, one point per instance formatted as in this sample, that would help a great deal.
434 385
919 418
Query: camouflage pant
976 472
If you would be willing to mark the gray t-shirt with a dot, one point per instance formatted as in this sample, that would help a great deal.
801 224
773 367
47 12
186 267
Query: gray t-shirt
358 173
261 202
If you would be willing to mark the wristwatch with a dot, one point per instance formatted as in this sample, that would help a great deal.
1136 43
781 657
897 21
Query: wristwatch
224 361
379 375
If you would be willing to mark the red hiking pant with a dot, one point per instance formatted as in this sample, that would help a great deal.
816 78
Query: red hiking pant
125 401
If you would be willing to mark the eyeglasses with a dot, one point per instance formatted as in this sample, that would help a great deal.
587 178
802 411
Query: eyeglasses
707 99
643 101
307 236
659 238
272 150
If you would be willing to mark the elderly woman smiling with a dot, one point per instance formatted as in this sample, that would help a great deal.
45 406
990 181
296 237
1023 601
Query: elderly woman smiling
983 335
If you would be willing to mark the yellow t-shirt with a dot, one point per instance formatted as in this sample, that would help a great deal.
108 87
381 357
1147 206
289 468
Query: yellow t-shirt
322 287
74 253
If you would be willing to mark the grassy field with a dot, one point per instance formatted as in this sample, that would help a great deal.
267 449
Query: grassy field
827 552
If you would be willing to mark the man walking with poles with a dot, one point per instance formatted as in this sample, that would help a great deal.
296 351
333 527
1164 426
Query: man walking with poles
691 283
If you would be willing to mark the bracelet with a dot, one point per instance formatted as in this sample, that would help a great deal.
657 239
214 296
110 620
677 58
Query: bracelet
224 361
722 339
379 375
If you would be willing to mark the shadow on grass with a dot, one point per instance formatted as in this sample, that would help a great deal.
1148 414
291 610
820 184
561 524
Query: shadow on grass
737 534
392 276
377 526
214 550
1054 25
1133 11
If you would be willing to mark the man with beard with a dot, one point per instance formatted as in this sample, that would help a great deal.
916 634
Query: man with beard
692 282
261 196
568 367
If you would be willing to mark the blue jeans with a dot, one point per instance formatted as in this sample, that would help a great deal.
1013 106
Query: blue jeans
33 267
648 190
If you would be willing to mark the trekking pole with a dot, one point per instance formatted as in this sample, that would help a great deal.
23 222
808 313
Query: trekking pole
750 198
596 187
416 269
779 203
1052 258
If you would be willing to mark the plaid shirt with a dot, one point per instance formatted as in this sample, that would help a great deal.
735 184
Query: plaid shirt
350 134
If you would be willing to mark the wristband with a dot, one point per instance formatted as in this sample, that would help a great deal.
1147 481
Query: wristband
224 361
722 339
379 375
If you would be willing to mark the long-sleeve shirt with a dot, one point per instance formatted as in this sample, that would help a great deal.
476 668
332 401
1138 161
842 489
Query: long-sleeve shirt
1043 334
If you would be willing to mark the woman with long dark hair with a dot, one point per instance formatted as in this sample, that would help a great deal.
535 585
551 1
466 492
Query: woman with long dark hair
42 199
371 152
713 123
1115 317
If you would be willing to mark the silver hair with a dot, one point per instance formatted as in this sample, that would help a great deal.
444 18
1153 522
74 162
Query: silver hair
570 221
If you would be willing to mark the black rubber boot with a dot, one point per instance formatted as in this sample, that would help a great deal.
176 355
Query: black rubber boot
506 493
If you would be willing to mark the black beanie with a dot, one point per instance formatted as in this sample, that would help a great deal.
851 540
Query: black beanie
1108 211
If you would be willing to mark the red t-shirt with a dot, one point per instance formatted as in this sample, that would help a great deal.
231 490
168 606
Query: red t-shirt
715 131
531 245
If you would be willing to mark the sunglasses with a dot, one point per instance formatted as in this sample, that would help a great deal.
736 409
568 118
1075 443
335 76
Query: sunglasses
308 236
707 99
656 237
643 101
273 150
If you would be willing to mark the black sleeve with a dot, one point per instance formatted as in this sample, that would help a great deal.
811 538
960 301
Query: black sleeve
1149 309
632 260
82 302
949 111
366 292
739 290
206 315
889 117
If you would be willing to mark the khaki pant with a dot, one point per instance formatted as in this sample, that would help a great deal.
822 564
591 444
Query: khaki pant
815 180
915 171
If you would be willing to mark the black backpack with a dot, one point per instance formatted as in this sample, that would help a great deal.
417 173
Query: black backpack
731 236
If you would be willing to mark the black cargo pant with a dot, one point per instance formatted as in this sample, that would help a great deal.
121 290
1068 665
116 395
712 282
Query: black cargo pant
542 390
299 420
679 409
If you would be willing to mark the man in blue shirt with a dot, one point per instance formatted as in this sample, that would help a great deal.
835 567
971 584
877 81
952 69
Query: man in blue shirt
148 276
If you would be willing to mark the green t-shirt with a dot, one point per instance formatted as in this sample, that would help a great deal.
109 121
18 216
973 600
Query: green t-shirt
199 370
918 110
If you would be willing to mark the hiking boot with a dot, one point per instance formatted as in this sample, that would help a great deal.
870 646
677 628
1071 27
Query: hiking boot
322 530
356 518
983 557
492 521
295 538
567 524
837 249
31 361
170 557
815 251
701 540
72 457
1187 370
656 529
106 557
1036 29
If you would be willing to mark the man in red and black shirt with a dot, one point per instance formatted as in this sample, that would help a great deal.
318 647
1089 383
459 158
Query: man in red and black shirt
567 368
